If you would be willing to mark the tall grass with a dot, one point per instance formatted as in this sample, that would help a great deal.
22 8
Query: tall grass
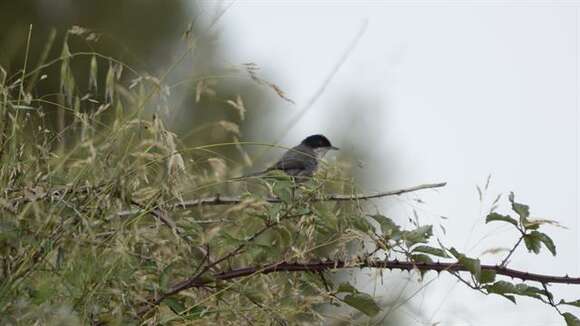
71 161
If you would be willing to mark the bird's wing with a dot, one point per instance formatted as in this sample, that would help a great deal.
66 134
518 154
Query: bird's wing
294 160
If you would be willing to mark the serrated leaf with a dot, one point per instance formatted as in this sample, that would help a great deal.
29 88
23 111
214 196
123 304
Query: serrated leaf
471 264
363 303
570 319
547 241
432 251
503 218
388 227
503 287
418 235
522 210
534 242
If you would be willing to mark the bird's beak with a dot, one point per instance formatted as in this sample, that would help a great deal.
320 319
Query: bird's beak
334 147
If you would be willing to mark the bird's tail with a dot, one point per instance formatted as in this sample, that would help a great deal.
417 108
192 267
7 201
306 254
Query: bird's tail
255 174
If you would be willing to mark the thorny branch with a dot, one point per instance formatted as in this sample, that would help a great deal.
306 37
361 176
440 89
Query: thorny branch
383 264
317 267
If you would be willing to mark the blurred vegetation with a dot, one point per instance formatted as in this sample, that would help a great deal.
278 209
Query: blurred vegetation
113 114
70 258
175 41
83 137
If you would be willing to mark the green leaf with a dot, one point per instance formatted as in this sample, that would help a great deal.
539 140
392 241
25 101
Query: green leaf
421 258
498 217
361 224
388 227
530 291
229 239
363 303
547 241
43 291
571 303
432 251
471 264
175 305
533 243
284 236
419 235
487 276
503 287
196 312
254 294
570 319
346 287
283 190
522 210
164 278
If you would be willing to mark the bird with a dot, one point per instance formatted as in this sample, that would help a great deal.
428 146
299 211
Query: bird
302 160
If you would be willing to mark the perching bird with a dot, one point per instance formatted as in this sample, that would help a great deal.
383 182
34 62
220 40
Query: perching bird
301 161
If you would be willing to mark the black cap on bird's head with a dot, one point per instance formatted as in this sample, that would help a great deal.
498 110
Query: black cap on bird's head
318 141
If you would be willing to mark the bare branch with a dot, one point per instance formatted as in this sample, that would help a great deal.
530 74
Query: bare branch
220 200
506 259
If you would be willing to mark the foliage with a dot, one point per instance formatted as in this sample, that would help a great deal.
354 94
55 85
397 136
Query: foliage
91 229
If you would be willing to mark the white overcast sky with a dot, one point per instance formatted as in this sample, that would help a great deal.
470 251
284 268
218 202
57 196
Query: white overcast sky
461 91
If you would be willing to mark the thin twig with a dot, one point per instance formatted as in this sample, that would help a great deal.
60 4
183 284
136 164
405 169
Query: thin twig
505 260
159 213
550 298
221 200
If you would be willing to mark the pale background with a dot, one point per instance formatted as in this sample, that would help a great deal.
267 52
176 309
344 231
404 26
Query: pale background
452 92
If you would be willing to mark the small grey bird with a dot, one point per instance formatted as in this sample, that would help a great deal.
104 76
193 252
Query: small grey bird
301 161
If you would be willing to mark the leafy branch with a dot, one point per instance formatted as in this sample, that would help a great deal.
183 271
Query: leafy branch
390 239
